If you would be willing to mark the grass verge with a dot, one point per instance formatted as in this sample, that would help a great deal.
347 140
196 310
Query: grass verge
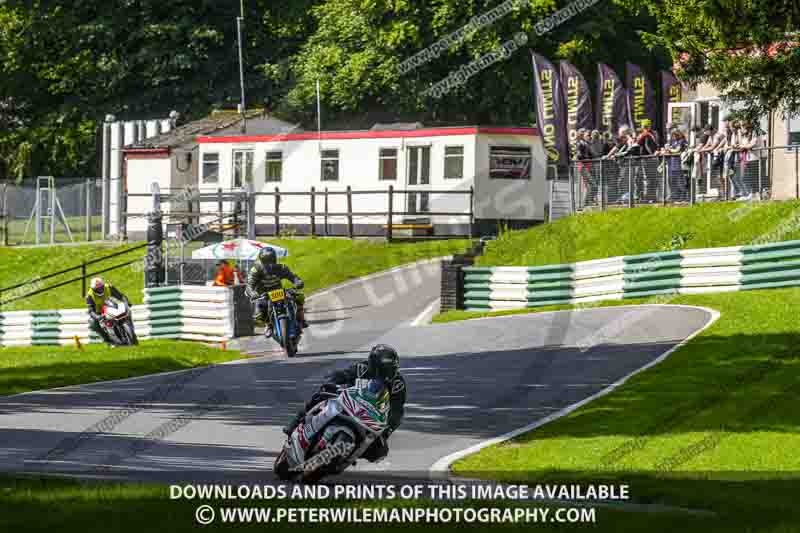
320 262
643 229
715 426
28 368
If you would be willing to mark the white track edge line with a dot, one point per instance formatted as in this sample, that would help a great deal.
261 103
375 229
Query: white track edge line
426 314
441 468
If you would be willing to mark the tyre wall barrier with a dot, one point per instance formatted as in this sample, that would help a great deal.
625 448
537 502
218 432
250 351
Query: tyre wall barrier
182 312
733 268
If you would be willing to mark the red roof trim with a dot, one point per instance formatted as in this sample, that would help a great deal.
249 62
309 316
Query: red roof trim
510 131
346 135
146 153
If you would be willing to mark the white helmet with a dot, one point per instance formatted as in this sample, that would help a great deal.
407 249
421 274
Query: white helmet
98 286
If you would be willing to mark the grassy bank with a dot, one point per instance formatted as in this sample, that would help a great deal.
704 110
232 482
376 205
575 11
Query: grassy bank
641 230
713 427
29 368
320 262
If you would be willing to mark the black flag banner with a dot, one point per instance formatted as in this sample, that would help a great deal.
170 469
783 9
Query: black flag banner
612 111
578 102
550 110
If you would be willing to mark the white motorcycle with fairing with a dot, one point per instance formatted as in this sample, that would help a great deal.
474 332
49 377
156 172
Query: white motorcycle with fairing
116 318
336 432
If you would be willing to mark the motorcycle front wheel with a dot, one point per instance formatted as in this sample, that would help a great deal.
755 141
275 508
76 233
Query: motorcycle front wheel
127 327
281 466
316 475
286 341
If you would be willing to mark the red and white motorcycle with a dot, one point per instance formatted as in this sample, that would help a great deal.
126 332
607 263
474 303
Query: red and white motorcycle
335 433
116 319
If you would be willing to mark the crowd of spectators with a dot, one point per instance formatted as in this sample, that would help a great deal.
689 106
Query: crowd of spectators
729 150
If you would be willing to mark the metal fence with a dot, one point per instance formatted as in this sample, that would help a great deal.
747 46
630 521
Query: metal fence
53 209
685 178
390 213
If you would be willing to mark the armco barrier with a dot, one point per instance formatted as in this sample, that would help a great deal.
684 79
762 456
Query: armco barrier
185 312
705 270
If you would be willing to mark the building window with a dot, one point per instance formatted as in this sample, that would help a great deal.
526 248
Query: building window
210 168
387 169
274 166
453 162
329 169
510 162
242 167
793 130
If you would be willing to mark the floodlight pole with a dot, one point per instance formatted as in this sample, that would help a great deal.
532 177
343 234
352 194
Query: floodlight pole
239 22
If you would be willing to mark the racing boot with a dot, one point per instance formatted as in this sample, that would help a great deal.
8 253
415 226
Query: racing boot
289 429
268 331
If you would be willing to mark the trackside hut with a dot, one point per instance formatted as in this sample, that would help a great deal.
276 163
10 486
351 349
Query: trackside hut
505 165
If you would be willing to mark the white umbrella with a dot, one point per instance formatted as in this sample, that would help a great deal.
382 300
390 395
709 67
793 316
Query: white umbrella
242 249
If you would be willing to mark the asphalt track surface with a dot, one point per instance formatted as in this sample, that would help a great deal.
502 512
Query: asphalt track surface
467 382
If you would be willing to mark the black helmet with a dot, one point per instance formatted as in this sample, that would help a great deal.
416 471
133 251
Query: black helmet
267 256
384 361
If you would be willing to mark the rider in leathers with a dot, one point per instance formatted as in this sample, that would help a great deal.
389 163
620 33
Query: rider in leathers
266 276
382 362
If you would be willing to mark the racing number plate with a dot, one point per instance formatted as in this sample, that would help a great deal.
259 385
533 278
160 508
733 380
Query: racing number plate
277 295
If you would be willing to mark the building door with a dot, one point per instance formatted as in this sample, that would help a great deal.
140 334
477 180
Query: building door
418 182
242 167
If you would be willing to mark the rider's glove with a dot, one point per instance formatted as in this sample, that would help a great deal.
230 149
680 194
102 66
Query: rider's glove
300 284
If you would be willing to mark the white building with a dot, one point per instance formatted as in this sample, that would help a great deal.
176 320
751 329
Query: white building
432 168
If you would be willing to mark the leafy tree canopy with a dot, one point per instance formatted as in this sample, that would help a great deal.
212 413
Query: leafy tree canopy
749 50
65 64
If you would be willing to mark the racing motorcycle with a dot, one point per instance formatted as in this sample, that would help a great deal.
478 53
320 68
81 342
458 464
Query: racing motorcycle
115 318
283 316
335 433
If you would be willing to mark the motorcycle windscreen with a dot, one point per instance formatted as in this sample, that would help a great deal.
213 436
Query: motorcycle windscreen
114 308
372 394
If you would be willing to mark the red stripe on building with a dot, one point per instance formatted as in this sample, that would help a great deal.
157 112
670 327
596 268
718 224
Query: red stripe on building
349 135
147 153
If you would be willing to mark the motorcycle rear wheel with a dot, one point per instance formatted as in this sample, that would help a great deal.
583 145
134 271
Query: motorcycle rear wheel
130 334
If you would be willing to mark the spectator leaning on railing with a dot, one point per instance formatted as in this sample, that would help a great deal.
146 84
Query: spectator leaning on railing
647 139
598 147
671 152
620 146
730 153
749 144
702 147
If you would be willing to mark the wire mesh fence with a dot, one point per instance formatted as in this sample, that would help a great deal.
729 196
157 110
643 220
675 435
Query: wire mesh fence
56 210
685 178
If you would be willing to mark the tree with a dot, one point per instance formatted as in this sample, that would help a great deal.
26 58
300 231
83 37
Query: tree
749 50
358 46
67 63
